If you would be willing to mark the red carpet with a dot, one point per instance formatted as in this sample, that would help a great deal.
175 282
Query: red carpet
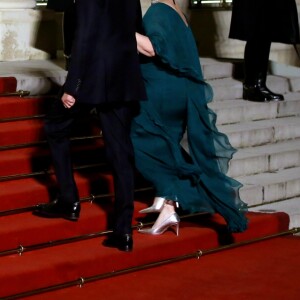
88 258
26 180
8 84
268 270
22 107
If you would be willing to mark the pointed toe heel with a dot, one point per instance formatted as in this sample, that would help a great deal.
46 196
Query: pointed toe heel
172 220
156 207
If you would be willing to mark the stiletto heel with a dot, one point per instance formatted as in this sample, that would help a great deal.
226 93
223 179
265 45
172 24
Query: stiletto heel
177 228
171 220
157 206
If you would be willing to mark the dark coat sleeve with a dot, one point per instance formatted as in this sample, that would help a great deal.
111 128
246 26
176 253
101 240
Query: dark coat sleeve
59 5
105 64
85 35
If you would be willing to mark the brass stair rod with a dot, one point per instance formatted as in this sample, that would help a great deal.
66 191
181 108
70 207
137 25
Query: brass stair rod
33 117
47 172
21 249
20 93
38 143
83 199
199 253
293 231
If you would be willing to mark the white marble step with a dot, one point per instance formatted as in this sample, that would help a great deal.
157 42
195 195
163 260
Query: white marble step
229 88
39 76
295 83
255 133
216 69
219 69
268 158
236 111
265 159
270 187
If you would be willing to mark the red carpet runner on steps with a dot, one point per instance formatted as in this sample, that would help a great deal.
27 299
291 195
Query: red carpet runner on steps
37 254
267 270
8 84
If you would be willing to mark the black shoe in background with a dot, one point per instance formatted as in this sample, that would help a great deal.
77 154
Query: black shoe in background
260 93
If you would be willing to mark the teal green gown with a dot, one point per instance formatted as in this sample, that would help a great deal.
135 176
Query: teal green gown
177 103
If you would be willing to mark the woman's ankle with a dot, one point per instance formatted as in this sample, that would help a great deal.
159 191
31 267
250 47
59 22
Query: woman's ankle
169 206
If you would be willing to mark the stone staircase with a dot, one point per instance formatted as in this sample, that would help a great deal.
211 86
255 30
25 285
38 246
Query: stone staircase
267 135
267 163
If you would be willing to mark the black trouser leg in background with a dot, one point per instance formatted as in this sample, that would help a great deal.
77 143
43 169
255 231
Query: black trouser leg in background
256 59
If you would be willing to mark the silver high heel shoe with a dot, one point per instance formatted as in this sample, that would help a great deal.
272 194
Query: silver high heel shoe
171 220
156 207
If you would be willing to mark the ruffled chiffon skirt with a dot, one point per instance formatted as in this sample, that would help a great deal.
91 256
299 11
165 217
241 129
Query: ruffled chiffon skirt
194 177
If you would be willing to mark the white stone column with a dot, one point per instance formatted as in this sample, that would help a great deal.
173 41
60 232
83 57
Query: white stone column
26 32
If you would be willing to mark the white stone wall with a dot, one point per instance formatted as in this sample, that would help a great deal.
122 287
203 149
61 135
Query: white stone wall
29 33
211 29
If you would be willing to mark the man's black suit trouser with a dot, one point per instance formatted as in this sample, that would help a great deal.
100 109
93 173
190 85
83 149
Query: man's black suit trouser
115 124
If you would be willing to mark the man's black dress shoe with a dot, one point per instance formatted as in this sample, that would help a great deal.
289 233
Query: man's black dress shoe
123 242
260 93
56 209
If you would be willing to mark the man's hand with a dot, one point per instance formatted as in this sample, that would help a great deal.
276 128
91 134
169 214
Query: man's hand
67 100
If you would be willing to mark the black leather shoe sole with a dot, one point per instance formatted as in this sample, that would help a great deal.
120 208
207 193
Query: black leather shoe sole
258 94
121 242
52 215
54 210
255 98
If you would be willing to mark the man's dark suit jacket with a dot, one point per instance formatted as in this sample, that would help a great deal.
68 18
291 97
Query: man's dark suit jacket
59 5
105 66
